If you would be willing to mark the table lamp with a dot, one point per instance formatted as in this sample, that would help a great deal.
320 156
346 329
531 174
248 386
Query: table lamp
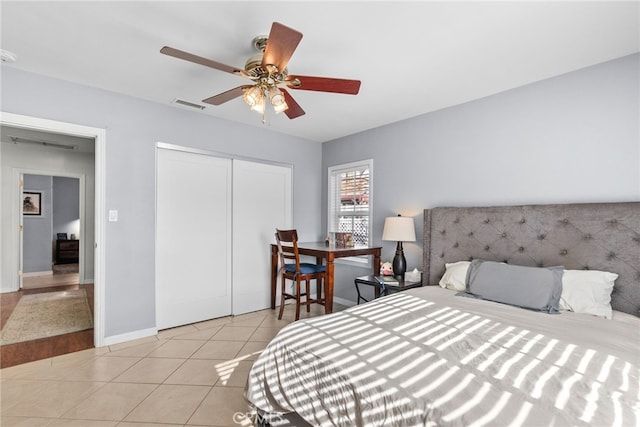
400 229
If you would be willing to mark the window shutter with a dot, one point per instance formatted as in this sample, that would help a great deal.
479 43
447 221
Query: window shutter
350 200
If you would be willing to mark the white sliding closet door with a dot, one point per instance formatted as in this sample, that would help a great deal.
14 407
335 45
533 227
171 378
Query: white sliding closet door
193 238
261 203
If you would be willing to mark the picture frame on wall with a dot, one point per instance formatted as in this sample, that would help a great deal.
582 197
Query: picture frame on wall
32 203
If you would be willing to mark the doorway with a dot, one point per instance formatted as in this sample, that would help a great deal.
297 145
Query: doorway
48 179
51 234
9 235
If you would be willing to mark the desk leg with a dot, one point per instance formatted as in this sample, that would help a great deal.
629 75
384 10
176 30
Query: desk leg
328 287
274 275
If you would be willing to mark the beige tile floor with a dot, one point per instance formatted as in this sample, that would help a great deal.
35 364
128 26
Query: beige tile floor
188 376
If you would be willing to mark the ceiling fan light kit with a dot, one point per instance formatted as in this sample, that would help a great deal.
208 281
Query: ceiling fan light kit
255 97
269 75
277 100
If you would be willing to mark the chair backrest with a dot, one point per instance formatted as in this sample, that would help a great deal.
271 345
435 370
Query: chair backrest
288 252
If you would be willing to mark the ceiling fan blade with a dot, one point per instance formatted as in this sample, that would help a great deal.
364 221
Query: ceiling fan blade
176 53
281 44
294 109
324 84
223 97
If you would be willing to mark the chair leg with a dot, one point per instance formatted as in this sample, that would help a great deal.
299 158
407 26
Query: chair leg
319 285
282 298
297 299
308 296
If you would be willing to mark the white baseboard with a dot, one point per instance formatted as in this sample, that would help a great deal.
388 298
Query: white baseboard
38 273
129 336
344 302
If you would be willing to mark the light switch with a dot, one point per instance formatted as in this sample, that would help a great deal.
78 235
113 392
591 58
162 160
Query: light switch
113 216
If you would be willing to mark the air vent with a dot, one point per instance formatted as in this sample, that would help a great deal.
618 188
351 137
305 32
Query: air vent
188 104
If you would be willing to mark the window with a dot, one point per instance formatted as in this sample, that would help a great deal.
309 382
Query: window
350 201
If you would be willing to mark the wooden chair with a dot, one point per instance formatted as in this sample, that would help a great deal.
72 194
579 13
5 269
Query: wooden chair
292 269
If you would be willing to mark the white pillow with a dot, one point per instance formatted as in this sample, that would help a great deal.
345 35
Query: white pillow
455 276
588 291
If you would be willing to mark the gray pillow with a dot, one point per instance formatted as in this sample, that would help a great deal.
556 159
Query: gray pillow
527 287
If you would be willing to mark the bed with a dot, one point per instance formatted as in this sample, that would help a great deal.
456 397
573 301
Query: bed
433 356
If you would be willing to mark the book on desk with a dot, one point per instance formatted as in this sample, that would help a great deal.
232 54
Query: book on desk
390 280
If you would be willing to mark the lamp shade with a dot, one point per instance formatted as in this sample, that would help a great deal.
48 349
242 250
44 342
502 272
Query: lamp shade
399 229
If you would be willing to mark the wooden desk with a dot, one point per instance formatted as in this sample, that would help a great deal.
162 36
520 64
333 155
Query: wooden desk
329 253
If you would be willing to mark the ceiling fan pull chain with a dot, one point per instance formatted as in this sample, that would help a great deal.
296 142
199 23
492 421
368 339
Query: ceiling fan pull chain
265 96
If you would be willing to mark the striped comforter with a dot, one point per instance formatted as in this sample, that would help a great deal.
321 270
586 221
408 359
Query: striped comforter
426 357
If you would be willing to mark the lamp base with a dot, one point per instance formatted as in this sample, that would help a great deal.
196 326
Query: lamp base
399 262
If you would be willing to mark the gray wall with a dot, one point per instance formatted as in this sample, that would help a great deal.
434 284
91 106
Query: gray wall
66 206
133 127
36 238
572 138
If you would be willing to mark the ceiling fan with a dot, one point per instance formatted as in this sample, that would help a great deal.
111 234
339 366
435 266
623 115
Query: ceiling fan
269 76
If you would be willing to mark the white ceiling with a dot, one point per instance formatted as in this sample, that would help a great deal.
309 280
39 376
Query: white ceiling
412 57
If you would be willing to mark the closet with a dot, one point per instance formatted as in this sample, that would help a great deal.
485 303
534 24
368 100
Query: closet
215 219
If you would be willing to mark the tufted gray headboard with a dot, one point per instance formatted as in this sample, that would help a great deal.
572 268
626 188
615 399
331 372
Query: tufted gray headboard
595 236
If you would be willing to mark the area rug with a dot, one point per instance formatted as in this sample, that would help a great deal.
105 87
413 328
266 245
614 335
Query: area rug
46 315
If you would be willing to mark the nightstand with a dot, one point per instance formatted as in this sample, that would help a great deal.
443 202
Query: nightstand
383 289
67 251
